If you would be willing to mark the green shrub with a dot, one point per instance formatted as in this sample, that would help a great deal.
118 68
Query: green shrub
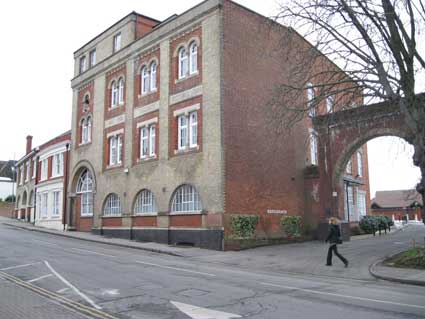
369 223
291 225
243 226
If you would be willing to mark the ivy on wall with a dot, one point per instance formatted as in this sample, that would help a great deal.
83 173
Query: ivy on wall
291 225
243 226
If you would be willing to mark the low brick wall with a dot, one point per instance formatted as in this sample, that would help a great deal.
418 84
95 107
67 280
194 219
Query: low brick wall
6 209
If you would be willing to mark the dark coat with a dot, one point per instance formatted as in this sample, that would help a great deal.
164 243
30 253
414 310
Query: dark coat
334 236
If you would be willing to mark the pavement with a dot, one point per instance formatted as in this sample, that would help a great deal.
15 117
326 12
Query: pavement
365 254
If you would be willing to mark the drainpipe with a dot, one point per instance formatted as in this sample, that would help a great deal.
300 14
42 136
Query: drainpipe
65 185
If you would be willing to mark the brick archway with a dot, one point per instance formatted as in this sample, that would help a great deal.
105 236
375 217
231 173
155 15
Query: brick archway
340 135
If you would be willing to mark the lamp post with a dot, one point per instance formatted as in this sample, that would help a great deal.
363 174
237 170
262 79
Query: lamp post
13 189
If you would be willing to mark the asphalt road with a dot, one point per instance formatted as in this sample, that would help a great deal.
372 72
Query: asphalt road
97 279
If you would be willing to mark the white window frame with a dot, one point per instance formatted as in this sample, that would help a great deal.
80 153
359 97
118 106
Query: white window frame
21 175
144 74
314 156
152 78
92 57
183 132
27 170
44 169
85 188
57 165
152 140
193 58
310 100
359 164
121 91
361 203
349 167
56 207
83 64
183 60
34 168
84 132
115 149
112 206
330 101
145 203
114 94
117 42
193 129
144 142
186 199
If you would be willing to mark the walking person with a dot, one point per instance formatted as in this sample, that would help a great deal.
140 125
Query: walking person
334 238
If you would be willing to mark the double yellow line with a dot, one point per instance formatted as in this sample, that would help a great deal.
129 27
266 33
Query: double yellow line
97 314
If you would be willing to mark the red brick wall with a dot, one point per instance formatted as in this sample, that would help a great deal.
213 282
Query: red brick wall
173 126
111 222
81 223
144 221
185 221
192 81
144 26
116 74
6 209
260 166
82 92
150 97
398 213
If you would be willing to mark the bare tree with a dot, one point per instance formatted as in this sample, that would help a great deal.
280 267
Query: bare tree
374 47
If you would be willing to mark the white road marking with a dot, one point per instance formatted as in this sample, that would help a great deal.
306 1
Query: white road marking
62 290
111 292
39 278
343 296
175 268
19 266
93 252
66 282
202 313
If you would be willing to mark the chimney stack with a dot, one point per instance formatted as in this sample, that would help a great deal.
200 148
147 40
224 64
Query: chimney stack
29 143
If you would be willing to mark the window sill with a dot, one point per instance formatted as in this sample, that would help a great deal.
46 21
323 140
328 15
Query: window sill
86 216
114 166
145 215
84 143
186 77
187 150
111 216
200 212
140 96
147 159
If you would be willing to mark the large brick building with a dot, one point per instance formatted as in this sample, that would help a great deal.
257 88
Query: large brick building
171 134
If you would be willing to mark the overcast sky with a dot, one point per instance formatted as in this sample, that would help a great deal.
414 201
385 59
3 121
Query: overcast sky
36 63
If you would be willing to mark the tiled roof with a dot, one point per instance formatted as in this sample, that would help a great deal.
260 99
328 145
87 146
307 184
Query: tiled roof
396 198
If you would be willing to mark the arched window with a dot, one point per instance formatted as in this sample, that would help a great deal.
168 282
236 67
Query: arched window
121 91
145 203
183 63
193 60
153 76
114 94
85 188
310 100
89 124
349 167
83 131
112 205
359 163
186 199
145 80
